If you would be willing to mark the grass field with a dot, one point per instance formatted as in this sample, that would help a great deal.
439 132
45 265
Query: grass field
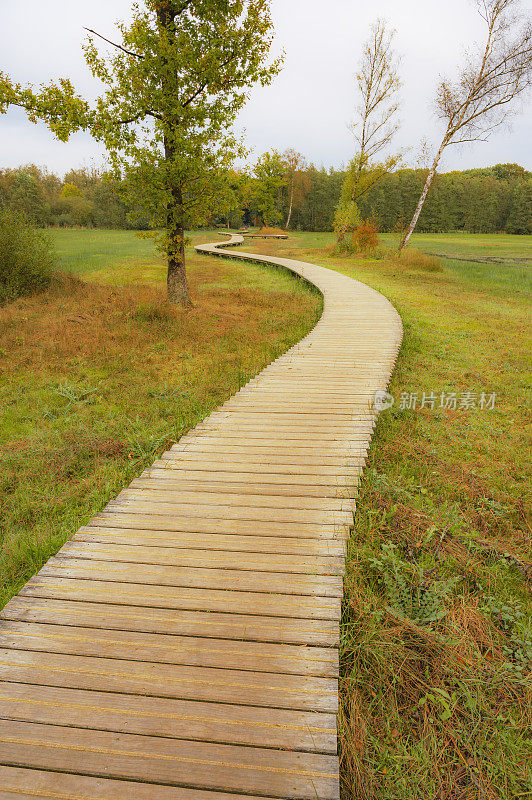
99 375
436 643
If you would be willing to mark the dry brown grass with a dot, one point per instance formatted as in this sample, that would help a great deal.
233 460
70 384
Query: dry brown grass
75 318
415 259
98 380
272 231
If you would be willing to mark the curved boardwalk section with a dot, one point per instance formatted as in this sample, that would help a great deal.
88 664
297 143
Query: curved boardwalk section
183 645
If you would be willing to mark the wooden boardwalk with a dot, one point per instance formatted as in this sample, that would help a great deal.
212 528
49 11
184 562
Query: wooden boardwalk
183 645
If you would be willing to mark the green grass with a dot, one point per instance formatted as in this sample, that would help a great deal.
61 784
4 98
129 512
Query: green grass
494 260
99 376
82 252
435 634
439 707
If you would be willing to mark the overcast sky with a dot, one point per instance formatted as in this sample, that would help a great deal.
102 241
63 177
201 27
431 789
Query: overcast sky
308 107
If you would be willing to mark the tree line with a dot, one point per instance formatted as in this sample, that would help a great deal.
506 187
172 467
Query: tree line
275 192
85 198
180 72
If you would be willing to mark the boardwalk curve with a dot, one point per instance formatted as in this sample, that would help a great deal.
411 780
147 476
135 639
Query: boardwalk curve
183 645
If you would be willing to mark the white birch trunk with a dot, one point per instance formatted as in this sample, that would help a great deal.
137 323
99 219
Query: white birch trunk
424 193
291 207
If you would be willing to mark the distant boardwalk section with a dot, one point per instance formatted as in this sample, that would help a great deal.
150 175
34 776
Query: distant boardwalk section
183 645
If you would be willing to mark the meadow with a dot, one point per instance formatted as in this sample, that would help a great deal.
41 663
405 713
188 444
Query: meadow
100 375
436 641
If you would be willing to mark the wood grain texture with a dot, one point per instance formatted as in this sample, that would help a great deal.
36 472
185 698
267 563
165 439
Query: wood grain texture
184 644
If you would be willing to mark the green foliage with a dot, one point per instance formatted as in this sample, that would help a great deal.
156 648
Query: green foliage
412 593
270 173
173 88
84 198
487 200
519 219
26 258
346 219
509 615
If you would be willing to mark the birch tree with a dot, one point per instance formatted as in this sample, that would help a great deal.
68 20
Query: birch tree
493 78
298 181
376 124
174 83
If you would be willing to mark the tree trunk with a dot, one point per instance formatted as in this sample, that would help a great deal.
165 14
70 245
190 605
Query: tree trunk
176 279
424 193
291 207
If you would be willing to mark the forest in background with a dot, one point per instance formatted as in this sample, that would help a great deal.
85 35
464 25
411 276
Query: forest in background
490 200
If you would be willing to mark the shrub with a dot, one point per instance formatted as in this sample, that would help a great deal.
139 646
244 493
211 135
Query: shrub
366 236
26 259
346 219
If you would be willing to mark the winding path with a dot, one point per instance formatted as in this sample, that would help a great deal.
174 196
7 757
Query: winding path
183 645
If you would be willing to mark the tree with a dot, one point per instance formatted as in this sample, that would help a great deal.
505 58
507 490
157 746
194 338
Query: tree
26 196
520 213
174 85
270 174
376 124
297 179
487 87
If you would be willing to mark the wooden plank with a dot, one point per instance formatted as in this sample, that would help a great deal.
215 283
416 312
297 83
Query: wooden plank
272 605
150 537
171 649
318 485
268 563
179 719
291 464
157 759
248 627
195 577
124 518
167 503
328 455
33 784
239 687
156 487
332 482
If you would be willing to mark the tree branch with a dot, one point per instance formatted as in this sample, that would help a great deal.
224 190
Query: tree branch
206 83
118 46
138 116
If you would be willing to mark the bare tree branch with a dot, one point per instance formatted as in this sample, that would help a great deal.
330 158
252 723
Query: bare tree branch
118 46
378 85
481 99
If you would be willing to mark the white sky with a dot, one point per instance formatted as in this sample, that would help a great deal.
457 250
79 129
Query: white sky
309 105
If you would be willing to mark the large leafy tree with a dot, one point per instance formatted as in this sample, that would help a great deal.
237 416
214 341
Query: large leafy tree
174 84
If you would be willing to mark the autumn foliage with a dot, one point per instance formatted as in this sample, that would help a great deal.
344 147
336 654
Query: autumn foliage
366 236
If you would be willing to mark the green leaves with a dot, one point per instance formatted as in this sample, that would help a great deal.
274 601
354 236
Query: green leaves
413 595
173 86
